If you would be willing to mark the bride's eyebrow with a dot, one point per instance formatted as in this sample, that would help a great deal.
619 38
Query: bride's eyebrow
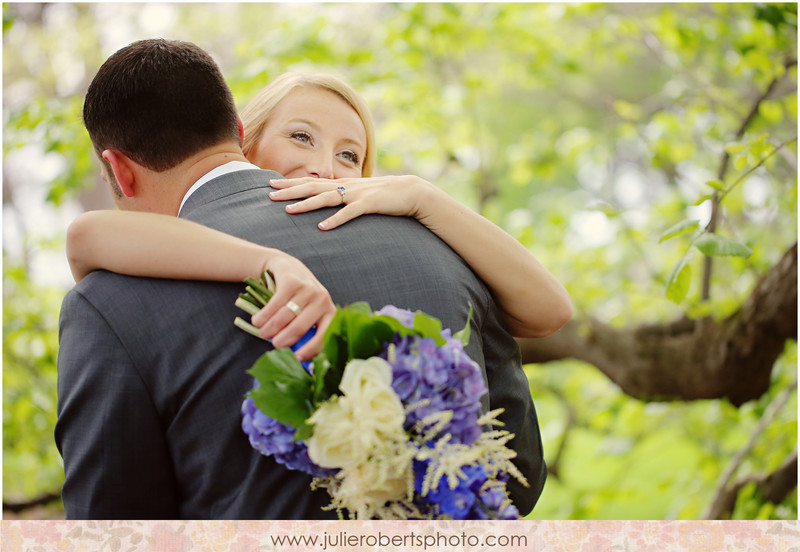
303 121
353 142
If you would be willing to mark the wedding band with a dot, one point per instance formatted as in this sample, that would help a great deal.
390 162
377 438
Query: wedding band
294 307
341 191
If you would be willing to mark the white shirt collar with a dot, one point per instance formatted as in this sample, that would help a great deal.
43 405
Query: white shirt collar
229 167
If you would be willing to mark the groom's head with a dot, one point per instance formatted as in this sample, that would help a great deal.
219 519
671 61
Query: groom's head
157 103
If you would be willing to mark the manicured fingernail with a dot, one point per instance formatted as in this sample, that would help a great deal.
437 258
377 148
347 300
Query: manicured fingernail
323 225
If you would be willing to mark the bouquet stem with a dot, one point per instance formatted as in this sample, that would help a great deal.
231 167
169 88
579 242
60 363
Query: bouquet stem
258 295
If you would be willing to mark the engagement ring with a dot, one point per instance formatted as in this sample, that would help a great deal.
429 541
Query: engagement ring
294 307
341 191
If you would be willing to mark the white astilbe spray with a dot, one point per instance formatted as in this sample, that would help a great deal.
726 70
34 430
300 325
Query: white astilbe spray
448 459
383 486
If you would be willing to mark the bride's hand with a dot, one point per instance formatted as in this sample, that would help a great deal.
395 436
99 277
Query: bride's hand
385 195
300 302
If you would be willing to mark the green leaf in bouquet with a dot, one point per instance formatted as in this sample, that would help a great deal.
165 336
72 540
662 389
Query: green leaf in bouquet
366 334
428 326
394 324
285 390
329 364
424 325
354 332
463 335
715 245
334 345
323 390
303 432
360 307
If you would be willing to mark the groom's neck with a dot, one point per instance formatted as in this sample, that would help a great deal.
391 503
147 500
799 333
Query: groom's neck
170 186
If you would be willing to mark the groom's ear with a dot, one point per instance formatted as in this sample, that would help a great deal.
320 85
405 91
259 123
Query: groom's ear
241 131
121 166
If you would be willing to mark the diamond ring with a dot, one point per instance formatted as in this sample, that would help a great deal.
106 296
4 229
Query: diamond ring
341 191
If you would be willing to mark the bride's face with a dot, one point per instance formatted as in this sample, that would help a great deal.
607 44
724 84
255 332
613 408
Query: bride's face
312 132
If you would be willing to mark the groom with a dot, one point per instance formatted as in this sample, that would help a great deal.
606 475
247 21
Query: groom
152 372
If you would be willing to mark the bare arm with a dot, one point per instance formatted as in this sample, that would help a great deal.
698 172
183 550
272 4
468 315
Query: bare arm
533 301
160 246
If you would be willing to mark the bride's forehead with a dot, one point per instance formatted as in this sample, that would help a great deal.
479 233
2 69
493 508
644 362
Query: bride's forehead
325 108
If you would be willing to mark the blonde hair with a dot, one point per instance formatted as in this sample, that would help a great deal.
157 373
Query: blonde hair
258 111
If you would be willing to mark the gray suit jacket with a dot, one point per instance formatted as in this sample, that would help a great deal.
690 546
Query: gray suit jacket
152 372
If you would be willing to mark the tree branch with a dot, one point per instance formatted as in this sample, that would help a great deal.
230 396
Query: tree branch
730 358
722 494
41 500
773 487
554 465
723 170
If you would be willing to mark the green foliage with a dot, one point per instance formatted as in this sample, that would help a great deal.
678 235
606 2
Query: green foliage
679 281
625 459
285 389
715 245
584 129
31 463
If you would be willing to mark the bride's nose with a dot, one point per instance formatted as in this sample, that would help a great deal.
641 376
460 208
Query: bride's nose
322 165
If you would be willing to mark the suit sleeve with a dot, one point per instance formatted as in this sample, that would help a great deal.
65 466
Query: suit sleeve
116 461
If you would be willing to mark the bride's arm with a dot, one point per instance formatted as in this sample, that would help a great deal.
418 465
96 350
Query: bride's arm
533 301
161 246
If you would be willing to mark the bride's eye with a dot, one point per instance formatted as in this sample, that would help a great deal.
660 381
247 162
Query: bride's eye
350 156
300 136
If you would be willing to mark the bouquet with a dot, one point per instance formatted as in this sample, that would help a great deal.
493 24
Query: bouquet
386 417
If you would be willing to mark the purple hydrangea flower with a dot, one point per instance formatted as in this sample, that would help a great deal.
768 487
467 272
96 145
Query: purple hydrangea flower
405 317
445 376
272 438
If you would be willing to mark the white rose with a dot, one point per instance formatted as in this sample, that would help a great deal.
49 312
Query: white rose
368 385
359 373
367 417
329 446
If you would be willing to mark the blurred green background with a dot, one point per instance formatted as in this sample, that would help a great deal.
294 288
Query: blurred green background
585 130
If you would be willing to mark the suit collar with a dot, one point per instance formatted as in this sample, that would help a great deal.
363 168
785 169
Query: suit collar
231 166
228 183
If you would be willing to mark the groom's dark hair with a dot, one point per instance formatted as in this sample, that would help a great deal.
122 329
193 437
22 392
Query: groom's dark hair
159 102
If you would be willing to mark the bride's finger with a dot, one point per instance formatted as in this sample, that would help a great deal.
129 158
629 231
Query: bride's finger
345 214
292 331
285 183
296 192
325 199
314 345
